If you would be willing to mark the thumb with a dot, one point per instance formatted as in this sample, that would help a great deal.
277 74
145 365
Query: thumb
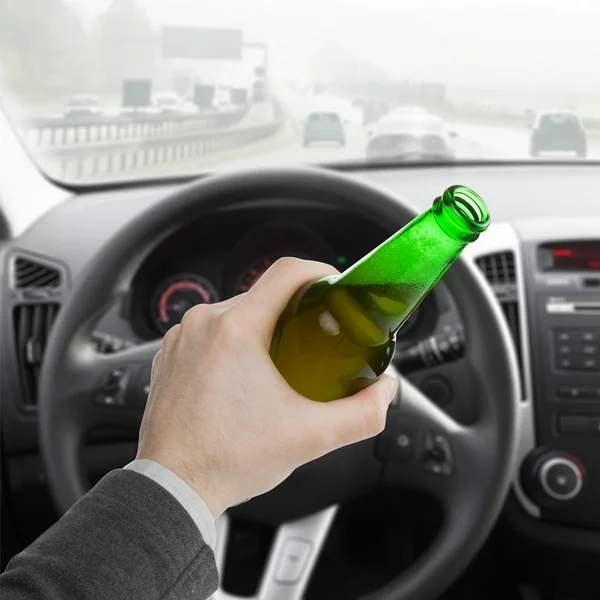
362 415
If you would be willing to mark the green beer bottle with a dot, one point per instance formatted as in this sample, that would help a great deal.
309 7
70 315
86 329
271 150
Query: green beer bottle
337 335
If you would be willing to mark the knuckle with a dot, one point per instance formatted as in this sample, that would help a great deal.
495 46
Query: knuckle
301 268
286 263
195 316
156 360
169 339
227 329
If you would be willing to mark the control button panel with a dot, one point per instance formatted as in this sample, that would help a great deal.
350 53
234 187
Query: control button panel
113 389
577 349
406 441
577 335
124 387
584 425
568 348
578 364
403 445
578 392
438 455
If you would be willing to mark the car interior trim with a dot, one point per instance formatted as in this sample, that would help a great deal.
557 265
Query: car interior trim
501 238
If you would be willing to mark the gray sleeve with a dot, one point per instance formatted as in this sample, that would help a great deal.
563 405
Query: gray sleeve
186 496
127 538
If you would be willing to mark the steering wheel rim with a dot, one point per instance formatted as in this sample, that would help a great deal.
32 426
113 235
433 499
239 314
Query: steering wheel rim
71 369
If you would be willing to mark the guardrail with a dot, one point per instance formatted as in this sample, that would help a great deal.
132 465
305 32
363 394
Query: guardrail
110 158
59 131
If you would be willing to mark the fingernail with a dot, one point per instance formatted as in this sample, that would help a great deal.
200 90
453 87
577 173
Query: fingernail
392 387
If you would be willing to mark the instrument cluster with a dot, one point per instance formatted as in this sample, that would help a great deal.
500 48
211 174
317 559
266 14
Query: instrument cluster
204 266
171 293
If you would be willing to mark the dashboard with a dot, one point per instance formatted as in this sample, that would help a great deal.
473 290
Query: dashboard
227 252
542 262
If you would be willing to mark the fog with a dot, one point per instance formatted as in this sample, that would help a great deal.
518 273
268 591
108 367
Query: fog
485 68
552 43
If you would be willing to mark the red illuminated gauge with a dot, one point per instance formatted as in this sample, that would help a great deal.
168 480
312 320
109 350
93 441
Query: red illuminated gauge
176 295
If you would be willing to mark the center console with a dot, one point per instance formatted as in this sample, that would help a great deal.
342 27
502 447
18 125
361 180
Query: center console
561 475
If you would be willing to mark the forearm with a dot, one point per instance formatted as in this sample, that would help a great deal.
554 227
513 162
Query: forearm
127 538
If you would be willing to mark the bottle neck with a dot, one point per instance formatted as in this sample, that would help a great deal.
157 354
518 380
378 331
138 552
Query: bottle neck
373 298
421 252
417 255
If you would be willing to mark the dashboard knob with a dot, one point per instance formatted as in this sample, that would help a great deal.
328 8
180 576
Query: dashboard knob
561 478
552 477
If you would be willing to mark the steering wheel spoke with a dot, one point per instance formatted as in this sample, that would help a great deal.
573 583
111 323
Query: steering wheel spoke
292 558
109 390
422 446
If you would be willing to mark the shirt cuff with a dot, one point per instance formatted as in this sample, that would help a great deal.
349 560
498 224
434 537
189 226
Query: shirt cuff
182 492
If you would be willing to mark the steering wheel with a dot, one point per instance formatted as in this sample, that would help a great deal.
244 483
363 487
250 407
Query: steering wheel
470 480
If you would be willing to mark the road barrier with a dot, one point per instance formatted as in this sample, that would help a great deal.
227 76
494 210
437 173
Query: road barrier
111 158
54 132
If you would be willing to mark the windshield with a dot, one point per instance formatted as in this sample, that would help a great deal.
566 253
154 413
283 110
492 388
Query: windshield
324 118
408 122
166 99
178 87
83 101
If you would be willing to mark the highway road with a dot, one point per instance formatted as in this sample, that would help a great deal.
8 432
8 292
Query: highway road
474 142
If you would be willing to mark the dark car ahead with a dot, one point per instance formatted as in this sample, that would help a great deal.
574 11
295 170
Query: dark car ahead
558 131
324 127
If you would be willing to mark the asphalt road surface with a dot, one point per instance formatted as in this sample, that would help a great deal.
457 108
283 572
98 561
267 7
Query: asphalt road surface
475 142
491 141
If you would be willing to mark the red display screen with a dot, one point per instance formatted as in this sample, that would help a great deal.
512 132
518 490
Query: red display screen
571 256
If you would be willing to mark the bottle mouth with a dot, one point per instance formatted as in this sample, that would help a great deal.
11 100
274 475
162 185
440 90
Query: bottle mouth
468 206
461 213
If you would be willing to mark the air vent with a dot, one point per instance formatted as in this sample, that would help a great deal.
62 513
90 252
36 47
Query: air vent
498 268
32 324
511 312
32 274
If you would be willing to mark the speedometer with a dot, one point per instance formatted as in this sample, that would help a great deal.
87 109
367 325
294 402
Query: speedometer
176 295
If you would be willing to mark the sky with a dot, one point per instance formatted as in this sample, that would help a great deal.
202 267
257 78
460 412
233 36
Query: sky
528 44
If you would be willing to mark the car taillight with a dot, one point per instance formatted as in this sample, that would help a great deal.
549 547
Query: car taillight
580 131
539 131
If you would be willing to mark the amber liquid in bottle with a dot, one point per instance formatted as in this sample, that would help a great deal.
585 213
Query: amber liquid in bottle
337 335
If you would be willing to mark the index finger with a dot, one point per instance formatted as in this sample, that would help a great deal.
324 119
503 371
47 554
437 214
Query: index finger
267 299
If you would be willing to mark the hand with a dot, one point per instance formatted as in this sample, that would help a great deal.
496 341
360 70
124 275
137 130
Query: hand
219 413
